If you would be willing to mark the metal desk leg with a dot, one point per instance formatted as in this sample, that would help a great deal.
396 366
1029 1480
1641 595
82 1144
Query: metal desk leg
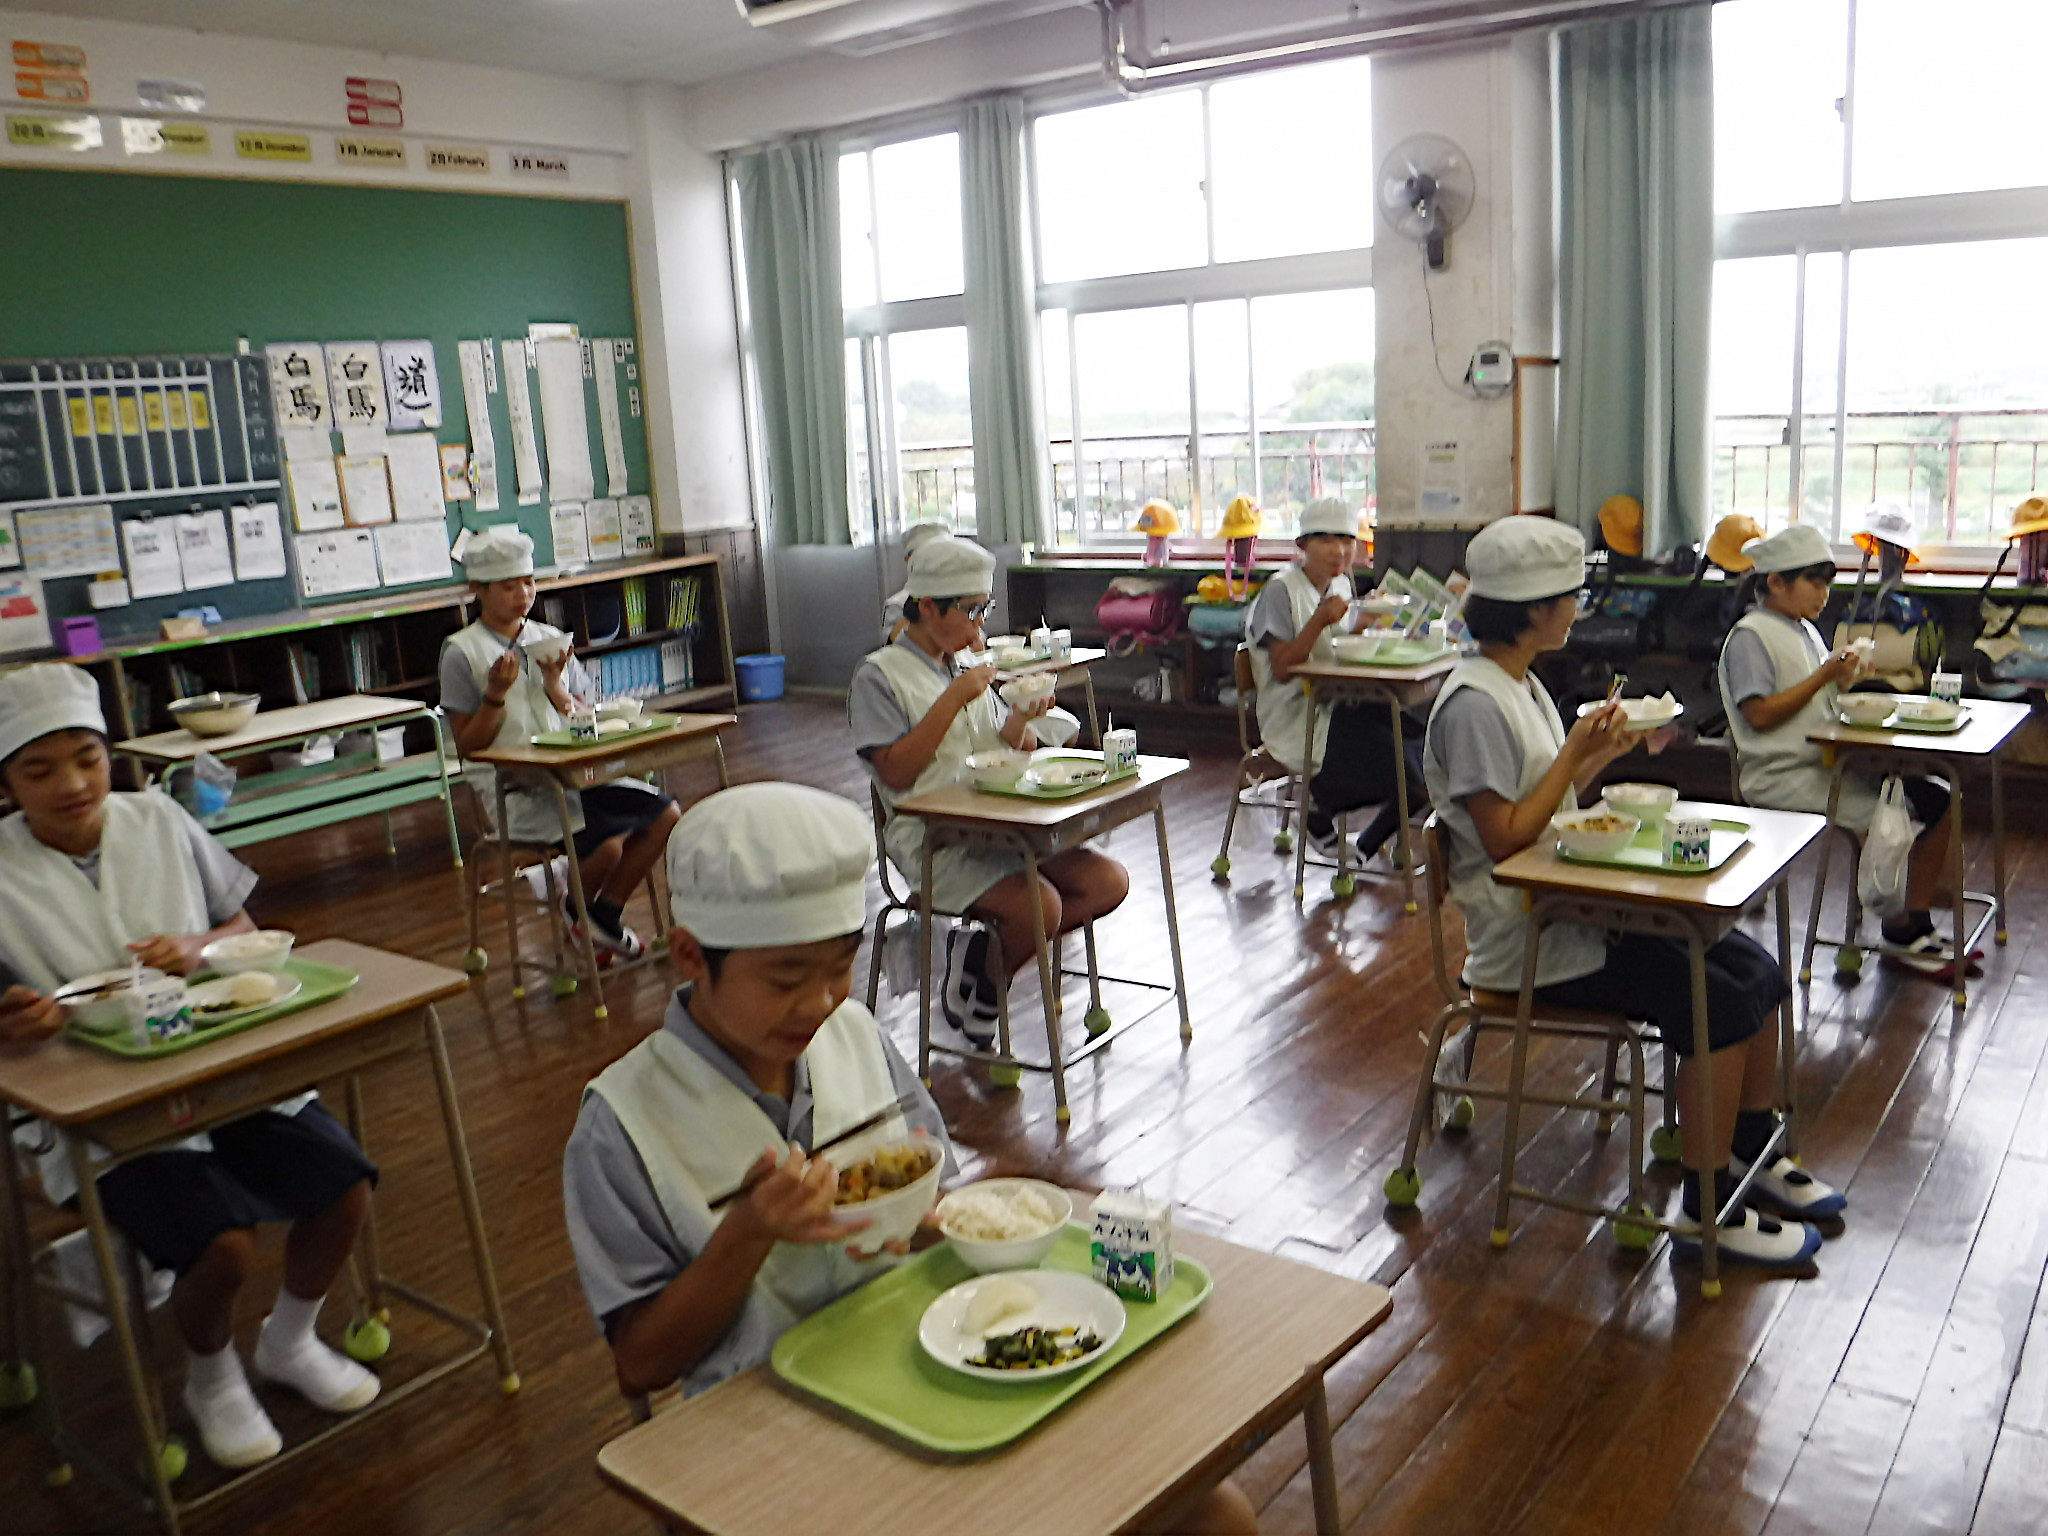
1180 981
1308 767
433 718
1406 844
1322 1461
1710 1202
724 782
924 961
366 1238
1788 1033
505 888
1048 987
1997 843
1518 1066
1094 724
1820 874
114 1285
23 1372
576 895
1958 908
472 1209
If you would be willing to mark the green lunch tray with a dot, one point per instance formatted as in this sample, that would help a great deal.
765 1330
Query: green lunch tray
564 739
1402 653
319 984
1025 791
1647 851
1920 727
862 1354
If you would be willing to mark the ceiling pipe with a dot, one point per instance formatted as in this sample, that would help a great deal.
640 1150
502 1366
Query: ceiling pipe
1134 70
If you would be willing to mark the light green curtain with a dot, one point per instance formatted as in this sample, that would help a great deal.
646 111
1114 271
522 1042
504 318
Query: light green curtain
1636 270
789 231
1011 474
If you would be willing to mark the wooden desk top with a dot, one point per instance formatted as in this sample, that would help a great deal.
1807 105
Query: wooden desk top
273 726
1149 1428
1986 727
963 802
686 727
1079 657
68 1083
1348 672
1776 838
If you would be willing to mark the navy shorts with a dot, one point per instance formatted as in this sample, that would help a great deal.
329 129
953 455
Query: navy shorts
1649 977
615 810
264 1168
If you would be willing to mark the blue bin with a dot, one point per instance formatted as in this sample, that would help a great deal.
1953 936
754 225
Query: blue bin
760 677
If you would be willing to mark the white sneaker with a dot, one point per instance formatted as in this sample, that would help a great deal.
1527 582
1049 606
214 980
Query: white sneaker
1787 1187
1325 845
232 1424
323 1377
1759 1241
968 997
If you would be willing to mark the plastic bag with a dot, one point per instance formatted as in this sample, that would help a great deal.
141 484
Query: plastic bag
1887 848
203 788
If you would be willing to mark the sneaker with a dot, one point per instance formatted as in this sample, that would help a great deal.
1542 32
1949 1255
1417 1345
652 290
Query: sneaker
1932 955
1788 1188
1754 1239
321 1376
1324 845
968 998
232 1424
624 944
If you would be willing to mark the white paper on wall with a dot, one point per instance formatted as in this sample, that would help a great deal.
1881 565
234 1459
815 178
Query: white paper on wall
316 495
204 556
365 489
298 384
333 563
413 552
559 362
151 545
525 439
67 541
476 404
415 462
355 383
636 525
606 540
571 534
24 620
259 542
412 385
605 356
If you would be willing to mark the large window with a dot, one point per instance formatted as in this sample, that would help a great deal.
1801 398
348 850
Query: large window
1879 317
1205 264
910 449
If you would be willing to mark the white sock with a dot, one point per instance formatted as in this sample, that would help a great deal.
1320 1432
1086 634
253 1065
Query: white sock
290 1323
207 1375
232 1424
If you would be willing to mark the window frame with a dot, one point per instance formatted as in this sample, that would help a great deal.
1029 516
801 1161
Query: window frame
1849 226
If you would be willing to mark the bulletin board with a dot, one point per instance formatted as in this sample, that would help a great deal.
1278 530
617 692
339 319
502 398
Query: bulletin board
125 265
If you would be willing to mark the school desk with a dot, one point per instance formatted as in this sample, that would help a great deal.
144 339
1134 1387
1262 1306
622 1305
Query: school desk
963 816
753 1457
1988 725
131 1107
1398 688
285 801
1693 909
555 771
1079 662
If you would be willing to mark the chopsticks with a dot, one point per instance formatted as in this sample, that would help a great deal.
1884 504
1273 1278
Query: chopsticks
746 1187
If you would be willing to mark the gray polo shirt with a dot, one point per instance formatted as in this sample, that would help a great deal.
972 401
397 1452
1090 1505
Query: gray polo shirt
462 691
874 713
626 1251
1271 621
1746 669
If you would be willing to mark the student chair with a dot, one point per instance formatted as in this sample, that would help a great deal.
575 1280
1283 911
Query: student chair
1258 767
1474 1010
484 864
1004 1071
1849 948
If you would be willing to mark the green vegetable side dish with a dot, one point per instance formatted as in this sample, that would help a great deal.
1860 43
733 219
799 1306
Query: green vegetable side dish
1033 1349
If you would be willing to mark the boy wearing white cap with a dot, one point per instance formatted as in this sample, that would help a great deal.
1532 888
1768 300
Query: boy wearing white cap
90 881
761 1057
1297 615
1779 682
915 537
1500 764
916 719
495 690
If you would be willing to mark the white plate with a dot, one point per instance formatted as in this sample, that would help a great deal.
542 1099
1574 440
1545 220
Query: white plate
1055 769
201 993
1066 1300
1635 724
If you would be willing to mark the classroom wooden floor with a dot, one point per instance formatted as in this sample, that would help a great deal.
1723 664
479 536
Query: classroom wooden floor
1560 1386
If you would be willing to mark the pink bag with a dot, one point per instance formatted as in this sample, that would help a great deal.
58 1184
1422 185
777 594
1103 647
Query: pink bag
1138 611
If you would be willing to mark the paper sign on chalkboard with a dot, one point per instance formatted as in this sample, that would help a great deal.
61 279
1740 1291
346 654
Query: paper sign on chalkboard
259 543
203 552
154 569
24 621
333 563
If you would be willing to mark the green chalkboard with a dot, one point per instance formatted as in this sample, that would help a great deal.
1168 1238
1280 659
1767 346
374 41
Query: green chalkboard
112 264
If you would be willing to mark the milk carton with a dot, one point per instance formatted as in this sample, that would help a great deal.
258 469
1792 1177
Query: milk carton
1119 749
1131 1250
157 1011
1688 841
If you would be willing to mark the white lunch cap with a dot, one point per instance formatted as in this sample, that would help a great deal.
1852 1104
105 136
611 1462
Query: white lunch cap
1790 549
917 535
1328 515
950 567
50 696
766 864
1525 559
498 554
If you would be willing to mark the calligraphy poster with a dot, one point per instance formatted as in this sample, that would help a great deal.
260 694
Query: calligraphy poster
355 380
298 384
412 385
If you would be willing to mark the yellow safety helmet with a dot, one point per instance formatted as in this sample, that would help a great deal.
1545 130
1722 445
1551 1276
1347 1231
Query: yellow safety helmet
2030 516
1724 545
1621 524
1241 519
1157 518
1212 589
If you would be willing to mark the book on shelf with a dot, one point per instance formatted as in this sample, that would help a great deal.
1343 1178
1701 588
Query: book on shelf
633 593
